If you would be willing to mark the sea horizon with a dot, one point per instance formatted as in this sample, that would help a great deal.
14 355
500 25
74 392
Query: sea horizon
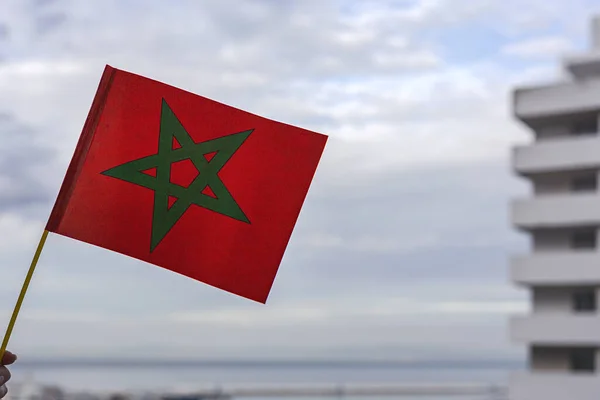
129 375
136 362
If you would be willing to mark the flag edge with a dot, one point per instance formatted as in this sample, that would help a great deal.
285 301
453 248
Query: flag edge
81 150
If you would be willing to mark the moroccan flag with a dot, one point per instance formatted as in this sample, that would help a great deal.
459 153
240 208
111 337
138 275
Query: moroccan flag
186 183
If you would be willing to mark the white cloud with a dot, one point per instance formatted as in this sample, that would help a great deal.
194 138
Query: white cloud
19 233
23 71
540 47
403 308
413 133
369 243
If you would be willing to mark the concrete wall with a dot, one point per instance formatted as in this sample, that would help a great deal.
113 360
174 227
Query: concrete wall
550 184
561 182
552 132
548 359
547 240
551 240
552 359
552 300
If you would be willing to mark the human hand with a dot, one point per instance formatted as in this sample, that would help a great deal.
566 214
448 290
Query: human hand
7 359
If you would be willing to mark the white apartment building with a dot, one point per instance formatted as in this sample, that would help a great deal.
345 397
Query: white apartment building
562 218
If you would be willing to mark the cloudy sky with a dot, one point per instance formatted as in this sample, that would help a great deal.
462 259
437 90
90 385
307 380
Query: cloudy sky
401 249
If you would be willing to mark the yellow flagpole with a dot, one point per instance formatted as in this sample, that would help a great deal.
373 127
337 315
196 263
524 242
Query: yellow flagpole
15 313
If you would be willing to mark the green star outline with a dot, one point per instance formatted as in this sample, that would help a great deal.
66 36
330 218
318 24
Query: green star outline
165 217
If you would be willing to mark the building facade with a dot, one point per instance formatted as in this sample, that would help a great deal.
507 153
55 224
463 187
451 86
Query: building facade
562 219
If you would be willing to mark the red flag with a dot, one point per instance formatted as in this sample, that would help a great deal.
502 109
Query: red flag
186 183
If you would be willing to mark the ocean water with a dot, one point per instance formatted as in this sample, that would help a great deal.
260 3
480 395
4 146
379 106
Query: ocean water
161 377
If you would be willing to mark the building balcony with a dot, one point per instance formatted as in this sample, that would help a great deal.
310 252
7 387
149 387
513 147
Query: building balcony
556 101
556 211
583 65
562 329
556 268
574 153
553 386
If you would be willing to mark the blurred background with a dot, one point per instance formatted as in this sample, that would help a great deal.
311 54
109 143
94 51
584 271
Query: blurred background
400 253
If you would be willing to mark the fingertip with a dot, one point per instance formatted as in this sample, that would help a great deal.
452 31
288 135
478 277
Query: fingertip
8 358
3 391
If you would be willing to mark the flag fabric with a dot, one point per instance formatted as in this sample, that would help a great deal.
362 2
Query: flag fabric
186 183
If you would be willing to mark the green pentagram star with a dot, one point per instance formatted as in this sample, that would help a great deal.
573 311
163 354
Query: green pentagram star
167 213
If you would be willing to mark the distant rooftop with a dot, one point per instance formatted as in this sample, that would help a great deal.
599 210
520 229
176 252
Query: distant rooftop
586 65
596 32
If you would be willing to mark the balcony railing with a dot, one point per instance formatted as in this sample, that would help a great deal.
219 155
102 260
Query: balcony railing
564 329
557 99
554 211
581 267
570 153
554 386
